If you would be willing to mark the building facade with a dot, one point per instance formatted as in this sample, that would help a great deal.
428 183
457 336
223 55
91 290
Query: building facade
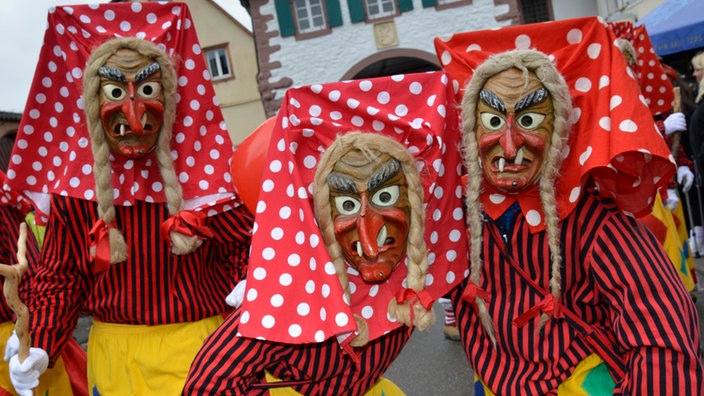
301 42
230 53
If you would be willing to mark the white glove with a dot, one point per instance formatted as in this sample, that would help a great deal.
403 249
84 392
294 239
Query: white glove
236 296
672 199
12 346
675 122
25 375
685 178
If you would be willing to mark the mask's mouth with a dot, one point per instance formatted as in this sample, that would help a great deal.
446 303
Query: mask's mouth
518 163
382 239
123 128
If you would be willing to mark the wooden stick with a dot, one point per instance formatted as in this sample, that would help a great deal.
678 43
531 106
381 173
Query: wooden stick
13 275
676 107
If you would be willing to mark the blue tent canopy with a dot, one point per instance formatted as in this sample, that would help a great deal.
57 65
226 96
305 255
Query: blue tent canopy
675 26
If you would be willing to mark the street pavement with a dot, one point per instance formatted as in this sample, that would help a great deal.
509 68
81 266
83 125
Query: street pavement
430 364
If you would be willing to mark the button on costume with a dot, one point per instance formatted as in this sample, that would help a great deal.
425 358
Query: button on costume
125 154
359 229
567 292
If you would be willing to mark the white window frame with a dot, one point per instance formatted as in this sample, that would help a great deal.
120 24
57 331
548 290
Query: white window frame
310 12
377 9
221 58
614 6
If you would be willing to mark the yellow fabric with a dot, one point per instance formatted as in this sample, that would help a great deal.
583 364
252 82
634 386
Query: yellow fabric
574 385
577 384
674 245
682 232
54 381
144 360
383 387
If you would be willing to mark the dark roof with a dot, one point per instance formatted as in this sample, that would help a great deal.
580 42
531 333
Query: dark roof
8 116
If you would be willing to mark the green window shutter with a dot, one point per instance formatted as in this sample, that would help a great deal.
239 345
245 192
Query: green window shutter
283 14
405 5
429 3
334 13
357 13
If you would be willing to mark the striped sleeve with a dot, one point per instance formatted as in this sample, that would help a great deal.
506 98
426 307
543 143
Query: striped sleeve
57 283
653 317
232 237
233 365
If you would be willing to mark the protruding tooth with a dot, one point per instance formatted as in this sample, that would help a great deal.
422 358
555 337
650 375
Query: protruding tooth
122 129
502 163
144 120
381 237
519 157
358 245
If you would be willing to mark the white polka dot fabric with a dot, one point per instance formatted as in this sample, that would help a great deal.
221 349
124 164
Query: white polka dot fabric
656 87
53 153
12 198
614 140
293 293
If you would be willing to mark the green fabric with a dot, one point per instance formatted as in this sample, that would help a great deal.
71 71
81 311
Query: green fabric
598 381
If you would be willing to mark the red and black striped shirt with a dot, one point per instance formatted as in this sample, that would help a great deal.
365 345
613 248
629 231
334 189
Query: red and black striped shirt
615 276
232 365
152 287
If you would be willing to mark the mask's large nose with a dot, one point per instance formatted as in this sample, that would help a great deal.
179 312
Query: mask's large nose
370 224
510 141
135 111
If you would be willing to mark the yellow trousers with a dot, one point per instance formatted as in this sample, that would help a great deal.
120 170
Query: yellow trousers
144 360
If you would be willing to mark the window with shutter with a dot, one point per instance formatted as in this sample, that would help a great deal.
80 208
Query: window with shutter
377 9
309 15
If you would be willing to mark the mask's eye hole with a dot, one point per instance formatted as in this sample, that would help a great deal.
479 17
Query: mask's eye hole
347 205
149 90
492 122
530 121
114 92
387 196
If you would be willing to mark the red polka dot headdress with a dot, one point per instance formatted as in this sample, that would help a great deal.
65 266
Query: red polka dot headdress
655 85
613 141
293 292
52 153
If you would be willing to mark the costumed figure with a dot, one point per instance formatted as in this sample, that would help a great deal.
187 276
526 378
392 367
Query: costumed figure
68 377
568 293
359 229
666 221
144 231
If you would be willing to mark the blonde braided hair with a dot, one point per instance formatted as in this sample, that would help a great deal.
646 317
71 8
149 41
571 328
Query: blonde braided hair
371 145
540 64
